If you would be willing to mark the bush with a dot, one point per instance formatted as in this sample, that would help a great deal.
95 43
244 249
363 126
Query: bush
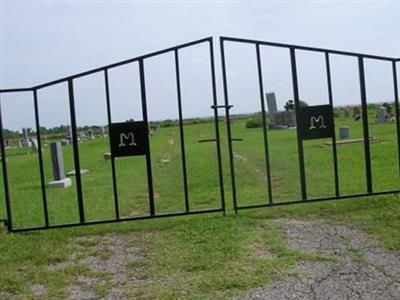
253 123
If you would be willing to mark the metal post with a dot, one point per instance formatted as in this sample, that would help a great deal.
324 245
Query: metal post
148 155
76 151
114 177
5 175
40 156
228 126
263 115
297 112
396 102
216 125
181 133
367 152
335 160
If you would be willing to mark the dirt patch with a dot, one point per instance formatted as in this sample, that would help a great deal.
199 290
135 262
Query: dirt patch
363 271
38 289
107 258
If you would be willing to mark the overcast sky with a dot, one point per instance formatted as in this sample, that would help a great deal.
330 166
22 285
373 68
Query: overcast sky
45 40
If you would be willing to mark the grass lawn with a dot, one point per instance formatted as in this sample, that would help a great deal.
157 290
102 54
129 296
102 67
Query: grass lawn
197 256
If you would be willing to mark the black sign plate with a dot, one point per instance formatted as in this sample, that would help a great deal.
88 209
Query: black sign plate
316 122
129 139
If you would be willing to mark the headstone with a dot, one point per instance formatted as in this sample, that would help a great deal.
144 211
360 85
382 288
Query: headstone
90 134
103 131
68 134
60 181
344 132
25 140
284 119
381 115
357 113
271 103
35 147
107 156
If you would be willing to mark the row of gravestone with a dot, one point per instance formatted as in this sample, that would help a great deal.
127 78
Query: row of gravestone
287 119
31 142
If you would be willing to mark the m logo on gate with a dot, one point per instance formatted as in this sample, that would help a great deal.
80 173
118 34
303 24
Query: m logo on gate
315 122
319 120
129 139
124 139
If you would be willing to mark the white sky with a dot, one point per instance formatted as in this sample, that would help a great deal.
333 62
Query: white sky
45 40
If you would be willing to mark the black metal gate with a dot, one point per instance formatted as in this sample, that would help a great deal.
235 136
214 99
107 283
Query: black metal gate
116 130
312 122
303 117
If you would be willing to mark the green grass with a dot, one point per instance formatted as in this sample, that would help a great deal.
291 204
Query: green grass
207 256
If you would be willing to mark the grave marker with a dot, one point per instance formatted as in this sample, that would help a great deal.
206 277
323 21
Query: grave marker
344 132
60 181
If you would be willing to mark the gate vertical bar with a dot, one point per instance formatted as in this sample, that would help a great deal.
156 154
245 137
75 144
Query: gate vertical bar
114 177
263 115
367 153
216 121
148 154
228 126
76 151
396 102
334 149
181 133
40 156
5 174
297 112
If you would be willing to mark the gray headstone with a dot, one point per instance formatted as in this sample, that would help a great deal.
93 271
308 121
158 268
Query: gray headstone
284 119
344 132
68 133
90 134
271 103
57 161
35 146
25 133
25 142
380 115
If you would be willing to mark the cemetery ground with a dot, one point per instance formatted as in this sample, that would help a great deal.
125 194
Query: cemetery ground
204 256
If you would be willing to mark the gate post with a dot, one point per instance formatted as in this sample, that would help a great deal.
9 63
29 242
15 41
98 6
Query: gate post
297 112
8 221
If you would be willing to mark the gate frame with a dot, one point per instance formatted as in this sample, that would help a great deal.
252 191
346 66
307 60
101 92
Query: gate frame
292 50
69 80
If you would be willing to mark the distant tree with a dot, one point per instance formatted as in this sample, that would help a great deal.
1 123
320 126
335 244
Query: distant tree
289 105
388 107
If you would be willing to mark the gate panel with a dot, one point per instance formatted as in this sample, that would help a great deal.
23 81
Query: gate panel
312 123
130 138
